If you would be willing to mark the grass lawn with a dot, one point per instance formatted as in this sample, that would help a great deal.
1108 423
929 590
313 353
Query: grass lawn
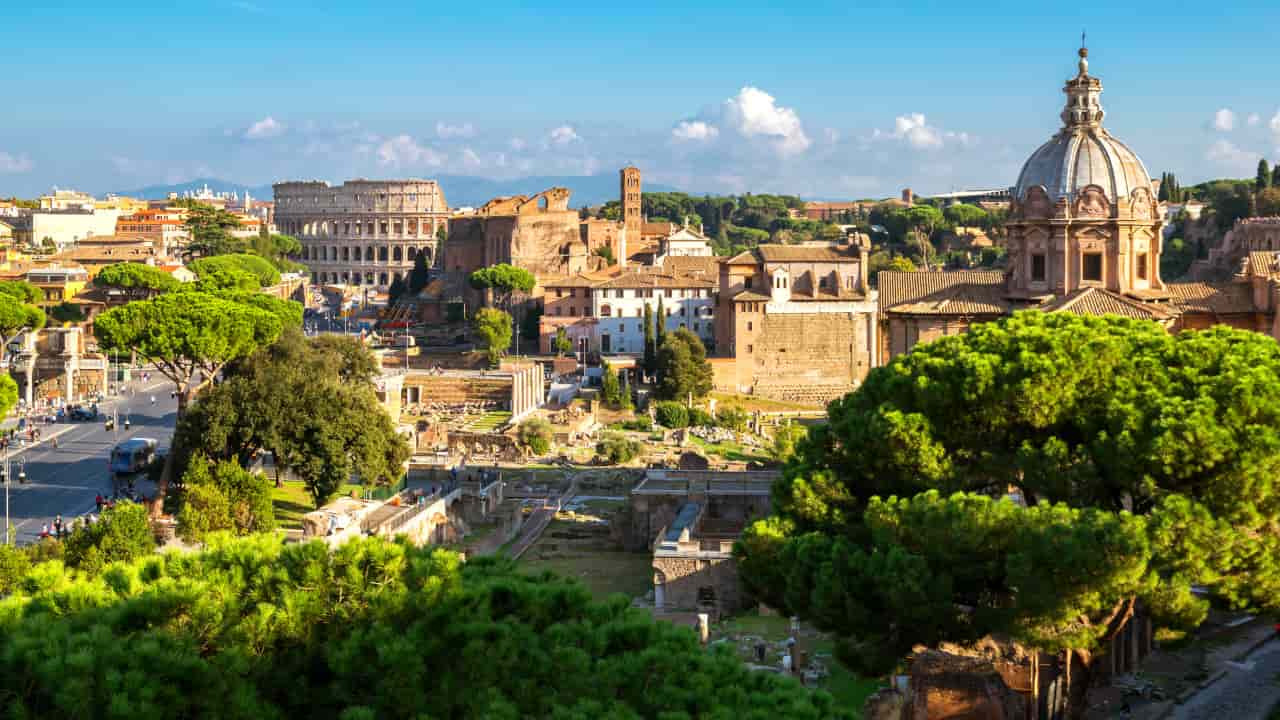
291 501
489 421
604 573
848 688
751 402
731 451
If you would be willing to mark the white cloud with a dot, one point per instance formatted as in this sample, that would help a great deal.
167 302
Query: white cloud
471 160
1253 119
14 163
694 131
1230 156
404 151
1224 120
445 132
916 131
563 135
754 113
267 127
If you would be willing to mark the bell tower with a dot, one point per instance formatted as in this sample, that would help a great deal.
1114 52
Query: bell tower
630 198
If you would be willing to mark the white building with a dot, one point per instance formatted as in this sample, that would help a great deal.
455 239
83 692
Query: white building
685 242
607 316
67 227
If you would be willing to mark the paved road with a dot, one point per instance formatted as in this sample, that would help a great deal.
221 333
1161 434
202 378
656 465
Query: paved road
65 480
1247 692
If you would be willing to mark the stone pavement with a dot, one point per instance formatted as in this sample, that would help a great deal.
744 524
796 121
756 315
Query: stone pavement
1248 690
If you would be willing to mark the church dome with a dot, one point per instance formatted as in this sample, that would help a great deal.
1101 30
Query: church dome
1083 153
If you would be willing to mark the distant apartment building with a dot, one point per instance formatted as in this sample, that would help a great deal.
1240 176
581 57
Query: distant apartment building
166 227
66 226
67 200
58 283
363 232
606 315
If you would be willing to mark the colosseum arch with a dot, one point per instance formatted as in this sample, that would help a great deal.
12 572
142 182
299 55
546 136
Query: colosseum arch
382 278
346 254
355 254
369 254
395 254
382 253
411 253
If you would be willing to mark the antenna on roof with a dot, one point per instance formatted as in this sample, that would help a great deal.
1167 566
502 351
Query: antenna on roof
1082 35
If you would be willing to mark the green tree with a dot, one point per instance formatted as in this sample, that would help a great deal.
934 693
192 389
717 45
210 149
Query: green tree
966 215
786 438
504 280
256 628
121 534
562 344
733 417
659 330
624 401
135 280
610 389
616 449
535 434
22 291
223 496
1140 471
396 290
606 252
260 268
672 414
1263 181
189 337
210 228
650 342
493 329
683 369
279 250
66 312
17 316
420 275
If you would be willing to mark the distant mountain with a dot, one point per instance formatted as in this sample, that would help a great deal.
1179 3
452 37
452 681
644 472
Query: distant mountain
459 190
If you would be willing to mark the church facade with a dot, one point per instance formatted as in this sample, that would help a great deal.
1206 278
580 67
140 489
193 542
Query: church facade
1084 236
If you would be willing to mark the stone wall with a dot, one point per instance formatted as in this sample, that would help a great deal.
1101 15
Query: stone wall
687 581
820 354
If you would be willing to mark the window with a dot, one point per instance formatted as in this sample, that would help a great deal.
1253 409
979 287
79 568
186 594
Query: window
573 292
668 292
682 311
558 309
1142 266
748 326
747 283
1093 267
606 311
1037 267
750 348
573 311
559 292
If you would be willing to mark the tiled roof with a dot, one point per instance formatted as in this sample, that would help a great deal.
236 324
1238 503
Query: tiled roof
807 253
1097 301
746 257
691 264
649 280
751 296
1263 263
578 280
1216 298
963 292
843 294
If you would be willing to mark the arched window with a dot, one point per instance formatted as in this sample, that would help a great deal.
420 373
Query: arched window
368 278
355 253
395 254
368 254
382 278
606 311
346 254
410 253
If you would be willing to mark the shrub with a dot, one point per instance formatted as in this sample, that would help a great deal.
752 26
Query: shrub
617 449
700 417
672 414
733 418
640 424
535 434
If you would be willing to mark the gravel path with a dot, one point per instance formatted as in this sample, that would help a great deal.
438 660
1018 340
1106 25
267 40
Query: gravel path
1242 694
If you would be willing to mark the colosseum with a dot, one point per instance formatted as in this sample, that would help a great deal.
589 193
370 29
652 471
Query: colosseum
363 232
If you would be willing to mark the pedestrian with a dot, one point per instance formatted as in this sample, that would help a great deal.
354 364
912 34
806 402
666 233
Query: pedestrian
98 501
153 399
57 526
44 531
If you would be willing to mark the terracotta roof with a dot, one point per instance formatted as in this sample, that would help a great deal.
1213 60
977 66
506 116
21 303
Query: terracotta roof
690 264
842 295
962 292
1216 298
751 296
1263 263
1098 301
807 253
649 280
746 257
578 280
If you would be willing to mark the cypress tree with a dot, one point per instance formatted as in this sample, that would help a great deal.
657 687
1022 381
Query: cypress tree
660 328
1163 194
650 349
1263 180
1275 175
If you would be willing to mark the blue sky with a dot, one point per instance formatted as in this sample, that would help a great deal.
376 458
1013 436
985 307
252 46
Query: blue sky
827 100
